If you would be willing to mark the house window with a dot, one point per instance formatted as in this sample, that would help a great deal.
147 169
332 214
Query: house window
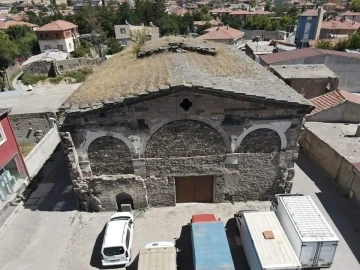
57 35
41 35
2 135
10 174
122 31
46 35
47 47
60 47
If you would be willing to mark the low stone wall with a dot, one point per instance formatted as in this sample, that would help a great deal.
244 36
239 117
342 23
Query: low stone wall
39 67
75 64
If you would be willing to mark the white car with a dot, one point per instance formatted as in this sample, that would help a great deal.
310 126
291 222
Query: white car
116 247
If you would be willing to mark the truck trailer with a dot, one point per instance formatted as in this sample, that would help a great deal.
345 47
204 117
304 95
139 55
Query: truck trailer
310 235
158 256
264 241
210 245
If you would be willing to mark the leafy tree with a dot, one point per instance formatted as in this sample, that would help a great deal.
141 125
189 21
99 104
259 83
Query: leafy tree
113 46
8 52
355 5
17 31
232 21
62 6
13 10
324 44
139 37
83 50
354 41
268 5
342 45
168 25
253 3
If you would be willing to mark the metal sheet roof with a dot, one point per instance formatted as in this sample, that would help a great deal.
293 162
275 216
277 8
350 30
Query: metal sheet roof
307 219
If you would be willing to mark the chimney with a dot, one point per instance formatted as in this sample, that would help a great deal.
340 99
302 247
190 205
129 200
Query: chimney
227 27
357 134
218 28
319 22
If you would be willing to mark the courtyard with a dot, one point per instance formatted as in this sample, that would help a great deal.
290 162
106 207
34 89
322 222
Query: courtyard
47 232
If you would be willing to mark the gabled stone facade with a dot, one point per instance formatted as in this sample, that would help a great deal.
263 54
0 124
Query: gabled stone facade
136 147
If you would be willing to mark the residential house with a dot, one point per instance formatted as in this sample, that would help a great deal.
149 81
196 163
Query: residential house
257 48
329 6
217 124
6 24
308 26
244 15
13 171
223 34
60 35
219 12
200 25
338 28
309 80
351 16
344 64
331 139
122 32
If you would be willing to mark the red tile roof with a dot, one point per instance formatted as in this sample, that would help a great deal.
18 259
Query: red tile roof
350 13
221 33
245 12
57 26
7 24
341 25
309 12
332 99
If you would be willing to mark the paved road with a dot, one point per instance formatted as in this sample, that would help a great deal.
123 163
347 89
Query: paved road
48 233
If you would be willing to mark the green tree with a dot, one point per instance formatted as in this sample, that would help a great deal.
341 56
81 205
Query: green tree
253 3
62 6
113 46
355 5
268 5
324 44
169 25
354 41
139 37
8 52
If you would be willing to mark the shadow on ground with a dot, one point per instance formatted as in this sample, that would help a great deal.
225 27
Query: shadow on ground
237 252
344 212
184 246
51 189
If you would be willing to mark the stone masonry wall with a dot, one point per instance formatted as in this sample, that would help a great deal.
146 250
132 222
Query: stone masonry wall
110 156
191 144
185 138
311 88
260 141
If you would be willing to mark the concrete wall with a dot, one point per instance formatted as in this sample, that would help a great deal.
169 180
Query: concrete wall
248 146
67 44
347 68
336 166
347 112
30 128
265 35
41 152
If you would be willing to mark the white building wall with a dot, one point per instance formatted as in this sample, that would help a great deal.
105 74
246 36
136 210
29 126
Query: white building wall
66 45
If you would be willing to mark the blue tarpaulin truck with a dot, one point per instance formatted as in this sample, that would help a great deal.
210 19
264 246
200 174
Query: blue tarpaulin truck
210 245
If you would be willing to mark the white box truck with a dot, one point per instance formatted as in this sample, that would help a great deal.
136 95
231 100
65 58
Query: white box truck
311 236
264 241
158 256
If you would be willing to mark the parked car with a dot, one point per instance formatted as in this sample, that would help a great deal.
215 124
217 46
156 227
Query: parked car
118 237
311 236
209 244
159 256
264 241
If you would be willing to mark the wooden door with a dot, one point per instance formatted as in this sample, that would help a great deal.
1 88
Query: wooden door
194 189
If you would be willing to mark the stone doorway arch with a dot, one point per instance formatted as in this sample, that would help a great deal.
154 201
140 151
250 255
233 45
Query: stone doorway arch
124 198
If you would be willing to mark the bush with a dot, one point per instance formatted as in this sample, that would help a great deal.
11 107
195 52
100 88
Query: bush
32 78
79 76
56 80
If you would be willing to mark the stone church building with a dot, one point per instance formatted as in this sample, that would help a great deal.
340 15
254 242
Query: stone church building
184 121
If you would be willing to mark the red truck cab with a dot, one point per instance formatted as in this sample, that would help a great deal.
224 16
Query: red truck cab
201 218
